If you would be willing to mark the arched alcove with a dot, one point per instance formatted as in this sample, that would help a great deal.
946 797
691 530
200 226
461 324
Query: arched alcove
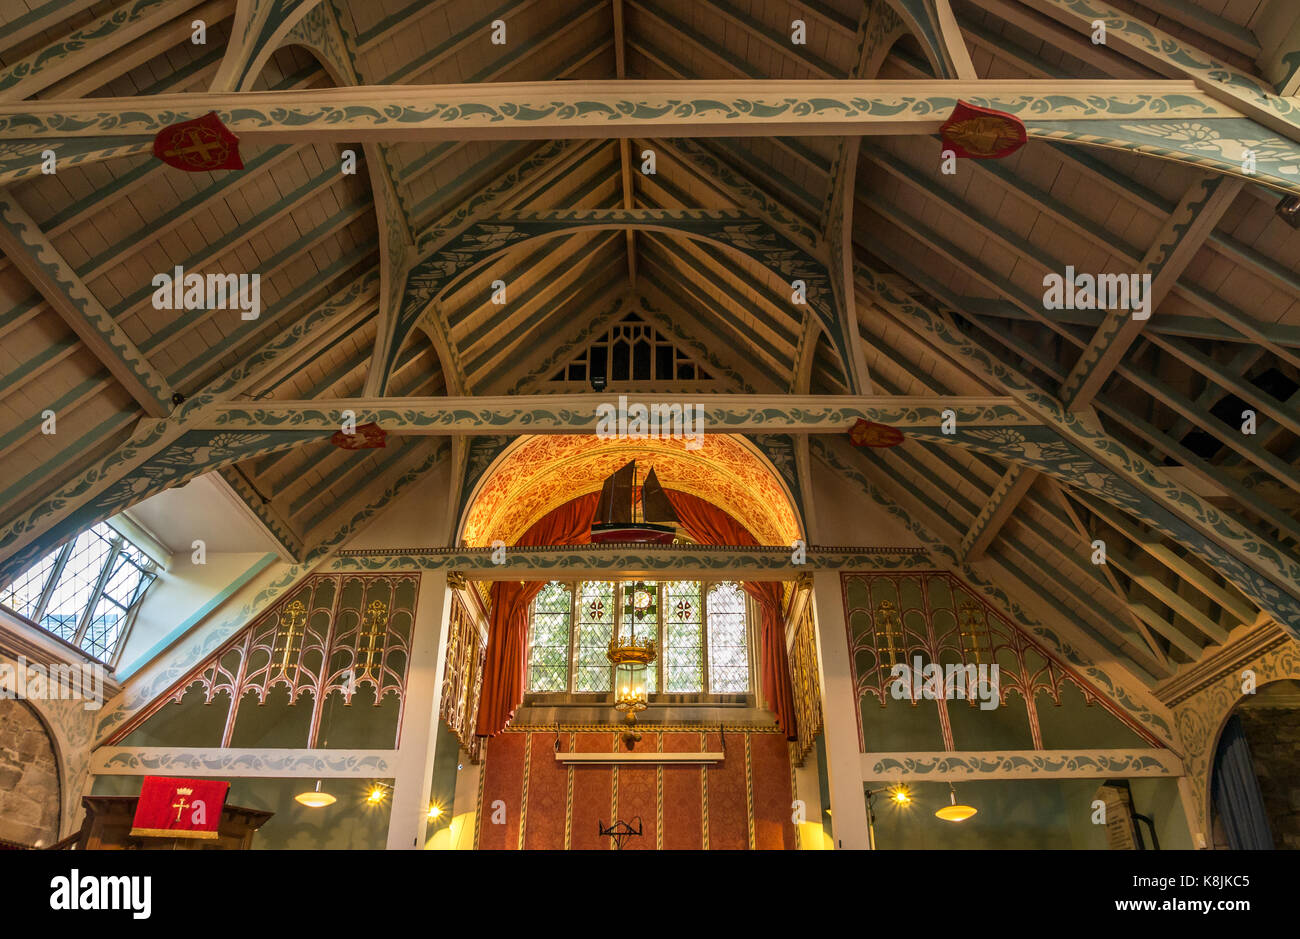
1255 776
29 777
539 473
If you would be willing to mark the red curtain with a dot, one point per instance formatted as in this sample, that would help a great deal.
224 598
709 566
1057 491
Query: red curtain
708 524
505 670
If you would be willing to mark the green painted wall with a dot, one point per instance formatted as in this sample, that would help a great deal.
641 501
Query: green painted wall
351 822
1023 814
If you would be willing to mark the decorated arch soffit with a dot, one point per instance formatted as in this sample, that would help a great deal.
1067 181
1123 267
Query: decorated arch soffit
1207 696
542 472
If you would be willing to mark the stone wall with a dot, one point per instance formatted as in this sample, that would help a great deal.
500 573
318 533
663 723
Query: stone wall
1274 738
29 777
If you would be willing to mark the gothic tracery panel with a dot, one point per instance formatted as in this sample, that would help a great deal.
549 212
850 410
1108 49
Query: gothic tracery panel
902 623
336 634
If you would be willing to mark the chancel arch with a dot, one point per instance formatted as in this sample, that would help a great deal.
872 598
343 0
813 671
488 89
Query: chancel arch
538 473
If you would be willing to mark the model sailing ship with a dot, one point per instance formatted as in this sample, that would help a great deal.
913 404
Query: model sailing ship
616 521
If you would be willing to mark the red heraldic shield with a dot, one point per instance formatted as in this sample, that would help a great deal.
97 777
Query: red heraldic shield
982 133
199 145
870 434
367 437
179 808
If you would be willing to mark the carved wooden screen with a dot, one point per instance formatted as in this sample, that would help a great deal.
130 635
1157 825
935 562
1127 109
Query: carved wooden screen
463 677
334 634
806 684
924 617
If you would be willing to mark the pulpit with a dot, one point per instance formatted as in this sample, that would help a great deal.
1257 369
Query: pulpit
107 827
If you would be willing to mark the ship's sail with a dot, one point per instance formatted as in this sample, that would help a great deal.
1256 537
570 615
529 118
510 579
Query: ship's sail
655 506
616 496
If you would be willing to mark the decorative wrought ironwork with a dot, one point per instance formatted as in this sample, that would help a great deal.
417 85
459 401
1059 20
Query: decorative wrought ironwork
334 633
889 631
291 622
462 679
974 632
377 621
898 617
806 684
620 831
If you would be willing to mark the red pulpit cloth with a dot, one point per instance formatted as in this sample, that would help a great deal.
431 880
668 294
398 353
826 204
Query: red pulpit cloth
179 808
199 145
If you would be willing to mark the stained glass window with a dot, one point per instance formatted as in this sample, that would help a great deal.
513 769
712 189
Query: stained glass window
86 591
683 646
701 631
728 648
640 620
548 639
596 606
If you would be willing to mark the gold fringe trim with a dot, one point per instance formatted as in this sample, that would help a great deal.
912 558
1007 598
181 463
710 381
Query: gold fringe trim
170 833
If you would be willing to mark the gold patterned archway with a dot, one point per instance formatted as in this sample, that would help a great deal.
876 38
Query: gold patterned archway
541 472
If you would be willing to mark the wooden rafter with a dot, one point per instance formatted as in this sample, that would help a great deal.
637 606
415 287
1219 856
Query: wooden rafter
31 252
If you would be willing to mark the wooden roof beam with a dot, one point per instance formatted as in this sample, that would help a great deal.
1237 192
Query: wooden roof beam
624 145
1263 570
259 28
1227 598
40 18
1171 56
31 252
88 45
996 512
1183 234
550 110
1121 596
935 28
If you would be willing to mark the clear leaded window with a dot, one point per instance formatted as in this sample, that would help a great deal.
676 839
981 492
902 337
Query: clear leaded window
85 592
702 632
728 640
548 638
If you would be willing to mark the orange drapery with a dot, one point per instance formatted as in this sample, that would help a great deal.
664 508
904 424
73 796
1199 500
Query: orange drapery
505 669
708 524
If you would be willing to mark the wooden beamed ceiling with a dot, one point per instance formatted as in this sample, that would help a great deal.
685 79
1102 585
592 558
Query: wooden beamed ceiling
974 245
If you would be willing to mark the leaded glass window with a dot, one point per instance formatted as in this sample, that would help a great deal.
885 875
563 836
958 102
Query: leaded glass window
548 639
701 629
728 646
85 592
683 646
596 606
641 614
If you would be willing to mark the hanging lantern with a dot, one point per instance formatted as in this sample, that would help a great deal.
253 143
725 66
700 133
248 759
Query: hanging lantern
631 655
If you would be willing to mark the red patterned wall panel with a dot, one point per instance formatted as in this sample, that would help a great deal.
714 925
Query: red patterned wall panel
747 795
503 780
728 806
683 803
593 795
637 786
770 772
548 787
